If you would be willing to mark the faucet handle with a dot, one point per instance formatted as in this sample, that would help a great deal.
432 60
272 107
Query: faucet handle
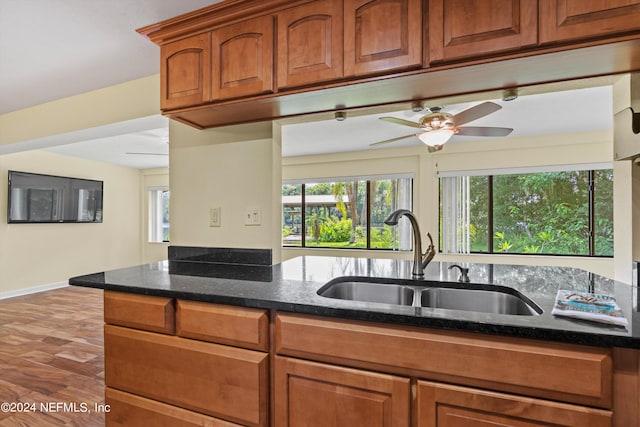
430 240
464 273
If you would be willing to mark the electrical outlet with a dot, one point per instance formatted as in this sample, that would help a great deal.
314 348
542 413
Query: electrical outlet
215 217
253 216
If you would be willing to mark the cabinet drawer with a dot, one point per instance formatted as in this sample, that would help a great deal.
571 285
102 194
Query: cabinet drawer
224 382
129 410
446 405
237 326
156 314
314 394
565 372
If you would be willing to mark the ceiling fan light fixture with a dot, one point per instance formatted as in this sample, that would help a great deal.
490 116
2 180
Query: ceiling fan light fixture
436 137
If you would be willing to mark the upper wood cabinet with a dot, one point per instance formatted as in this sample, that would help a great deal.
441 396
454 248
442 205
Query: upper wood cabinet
382 35
185 72
243 59
567 20
310 44
470 28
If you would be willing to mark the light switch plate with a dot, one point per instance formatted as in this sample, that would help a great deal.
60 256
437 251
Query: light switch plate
215 217
253 216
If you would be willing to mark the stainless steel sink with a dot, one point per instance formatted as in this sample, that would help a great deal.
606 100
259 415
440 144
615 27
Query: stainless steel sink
485 301
466 297
386 293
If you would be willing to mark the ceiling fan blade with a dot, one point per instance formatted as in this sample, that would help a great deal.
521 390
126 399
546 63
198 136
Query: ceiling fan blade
150 154
401 122
483 131
476 112
386 141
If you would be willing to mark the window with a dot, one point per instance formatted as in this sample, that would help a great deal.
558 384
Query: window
159 214
346 213
563 212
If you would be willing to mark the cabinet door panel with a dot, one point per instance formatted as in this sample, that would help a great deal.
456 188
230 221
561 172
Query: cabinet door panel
470 28
563 20
310 44
185 72
382 35
442 405
313 394
243 59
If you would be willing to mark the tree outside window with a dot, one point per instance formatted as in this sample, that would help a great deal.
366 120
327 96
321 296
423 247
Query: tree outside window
560 213
343 213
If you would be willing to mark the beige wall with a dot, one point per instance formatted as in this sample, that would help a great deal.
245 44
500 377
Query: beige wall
131 100
233 168
159 177
575 148
34 255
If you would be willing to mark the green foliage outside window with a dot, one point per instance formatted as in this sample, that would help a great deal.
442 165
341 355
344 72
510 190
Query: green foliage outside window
344 214
543 213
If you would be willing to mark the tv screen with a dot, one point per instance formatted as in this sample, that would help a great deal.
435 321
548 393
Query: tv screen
37 198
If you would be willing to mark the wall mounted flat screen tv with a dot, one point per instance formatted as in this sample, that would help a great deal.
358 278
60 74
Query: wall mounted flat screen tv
37 198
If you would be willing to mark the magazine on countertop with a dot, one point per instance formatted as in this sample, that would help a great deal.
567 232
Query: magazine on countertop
588 306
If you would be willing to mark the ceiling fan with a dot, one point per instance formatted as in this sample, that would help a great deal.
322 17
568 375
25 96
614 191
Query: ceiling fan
438 127
155 136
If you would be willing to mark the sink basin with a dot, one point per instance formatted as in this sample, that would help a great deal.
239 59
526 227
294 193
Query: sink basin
485 301
466 297
386 293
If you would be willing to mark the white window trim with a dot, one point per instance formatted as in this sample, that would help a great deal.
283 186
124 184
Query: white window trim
155 214
525 170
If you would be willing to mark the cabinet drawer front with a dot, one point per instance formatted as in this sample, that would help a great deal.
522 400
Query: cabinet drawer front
134 411
237 326
225 382
565 372
314 394
446 405
156 314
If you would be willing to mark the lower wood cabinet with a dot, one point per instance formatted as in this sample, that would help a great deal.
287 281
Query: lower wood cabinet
443 405
314 394
183 363
221 381
129 410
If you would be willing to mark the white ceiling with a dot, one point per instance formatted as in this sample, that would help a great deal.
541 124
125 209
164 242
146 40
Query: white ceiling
51 49
573 110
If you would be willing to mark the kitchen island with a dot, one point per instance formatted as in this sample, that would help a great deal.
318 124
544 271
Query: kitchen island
223 337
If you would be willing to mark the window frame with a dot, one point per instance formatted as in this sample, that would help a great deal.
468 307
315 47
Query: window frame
591 200
155 214
368 200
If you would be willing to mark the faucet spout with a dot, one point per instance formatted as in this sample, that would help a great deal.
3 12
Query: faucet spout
420 260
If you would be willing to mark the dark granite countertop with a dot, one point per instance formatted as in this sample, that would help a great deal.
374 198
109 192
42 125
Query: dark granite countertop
292 285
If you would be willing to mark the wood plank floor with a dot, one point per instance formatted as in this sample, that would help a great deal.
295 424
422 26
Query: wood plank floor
52 356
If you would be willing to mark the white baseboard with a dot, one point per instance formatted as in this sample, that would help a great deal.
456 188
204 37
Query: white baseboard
36 289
